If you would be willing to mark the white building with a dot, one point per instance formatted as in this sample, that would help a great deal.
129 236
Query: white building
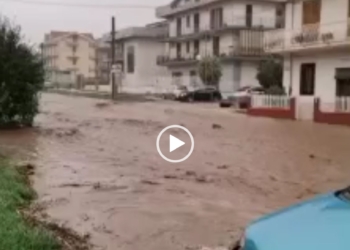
139 48
69 54
231 30
315 44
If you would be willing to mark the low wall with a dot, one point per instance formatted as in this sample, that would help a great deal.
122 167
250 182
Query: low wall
336 118
278 113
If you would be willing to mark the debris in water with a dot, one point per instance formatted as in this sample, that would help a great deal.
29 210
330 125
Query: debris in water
102 104
216 126
148 182
223 167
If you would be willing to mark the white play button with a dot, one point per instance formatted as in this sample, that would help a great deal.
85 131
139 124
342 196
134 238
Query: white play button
175 143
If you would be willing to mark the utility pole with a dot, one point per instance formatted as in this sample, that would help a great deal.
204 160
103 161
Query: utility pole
113 58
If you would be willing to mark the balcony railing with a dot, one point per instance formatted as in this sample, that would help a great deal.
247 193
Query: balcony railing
226 53
309 36
231 22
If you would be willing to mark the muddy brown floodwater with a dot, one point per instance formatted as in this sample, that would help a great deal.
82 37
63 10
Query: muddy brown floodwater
99 172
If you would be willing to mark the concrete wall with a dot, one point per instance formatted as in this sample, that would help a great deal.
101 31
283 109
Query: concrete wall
326 63
147 73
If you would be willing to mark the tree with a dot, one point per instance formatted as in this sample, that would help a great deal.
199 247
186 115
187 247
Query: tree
22 76
209 70
270 75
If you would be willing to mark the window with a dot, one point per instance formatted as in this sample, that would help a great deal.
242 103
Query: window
311 12
307 79
216 18
196 47
131 59
343 81
178 27
74 61
188 21
249 15
178 50
216 46
280 17
196 22
188 47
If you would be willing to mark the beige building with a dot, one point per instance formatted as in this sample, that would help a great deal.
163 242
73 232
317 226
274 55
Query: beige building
69 55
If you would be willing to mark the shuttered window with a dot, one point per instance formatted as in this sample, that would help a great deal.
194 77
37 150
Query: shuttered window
311 12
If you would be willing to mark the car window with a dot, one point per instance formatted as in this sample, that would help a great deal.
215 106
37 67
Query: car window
243 89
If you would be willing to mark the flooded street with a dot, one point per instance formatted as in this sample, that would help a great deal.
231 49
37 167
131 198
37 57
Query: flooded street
98 170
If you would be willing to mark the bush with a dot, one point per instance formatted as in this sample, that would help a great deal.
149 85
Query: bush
276 90
210 71
22 76
270 73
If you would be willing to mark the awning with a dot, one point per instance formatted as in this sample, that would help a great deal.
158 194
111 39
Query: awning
342 74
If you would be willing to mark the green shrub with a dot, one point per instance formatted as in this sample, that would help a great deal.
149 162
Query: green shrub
210 71
22 76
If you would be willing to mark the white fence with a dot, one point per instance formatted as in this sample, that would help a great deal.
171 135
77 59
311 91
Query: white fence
342 104
269 101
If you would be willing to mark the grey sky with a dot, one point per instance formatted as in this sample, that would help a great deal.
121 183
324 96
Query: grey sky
36 20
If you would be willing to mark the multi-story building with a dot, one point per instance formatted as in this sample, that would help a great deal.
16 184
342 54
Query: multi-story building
231 30
137 51
315 44
103 61
70 53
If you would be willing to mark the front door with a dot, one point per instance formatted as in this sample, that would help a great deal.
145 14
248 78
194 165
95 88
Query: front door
305 102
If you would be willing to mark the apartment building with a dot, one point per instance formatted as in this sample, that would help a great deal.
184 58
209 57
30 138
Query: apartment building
315 45
231 30
69 54
137 52
103 61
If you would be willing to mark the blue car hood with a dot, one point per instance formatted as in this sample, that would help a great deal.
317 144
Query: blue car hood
320 224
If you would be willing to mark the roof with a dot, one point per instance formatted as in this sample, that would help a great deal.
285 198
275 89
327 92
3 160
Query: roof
152 31
57 35
172 9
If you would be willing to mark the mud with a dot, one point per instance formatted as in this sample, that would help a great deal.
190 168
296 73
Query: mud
99 173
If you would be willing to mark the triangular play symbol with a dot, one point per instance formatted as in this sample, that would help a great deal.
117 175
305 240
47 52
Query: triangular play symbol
175 143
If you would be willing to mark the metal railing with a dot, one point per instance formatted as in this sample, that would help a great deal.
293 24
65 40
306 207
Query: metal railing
309 36
269 101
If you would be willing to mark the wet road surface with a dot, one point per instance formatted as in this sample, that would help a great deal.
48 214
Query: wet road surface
99 171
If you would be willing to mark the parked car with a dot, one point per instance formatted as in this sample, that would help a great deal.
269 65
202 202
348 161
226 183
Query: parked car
205 94
322 223
227 100
242 96
175 93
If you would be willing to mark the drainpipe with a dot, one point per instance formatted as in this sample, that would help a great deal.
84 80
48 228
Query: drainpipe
291 55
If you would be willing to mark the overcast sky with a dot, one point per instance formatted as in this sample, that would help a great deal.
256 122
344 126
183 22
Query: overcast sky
36 19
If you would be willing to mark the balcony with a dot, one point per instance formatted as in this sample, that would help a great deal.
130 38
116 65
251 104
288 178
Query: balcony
230 23
226 54
309 37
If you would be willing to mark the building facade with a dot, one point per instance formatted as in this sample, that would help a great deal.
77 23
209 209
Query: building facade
137 52
315 45
69 53
230 30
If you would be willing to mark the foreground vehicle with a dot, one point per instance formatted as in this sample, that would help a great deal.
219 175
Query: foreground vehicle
322 223
206 94
242 97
